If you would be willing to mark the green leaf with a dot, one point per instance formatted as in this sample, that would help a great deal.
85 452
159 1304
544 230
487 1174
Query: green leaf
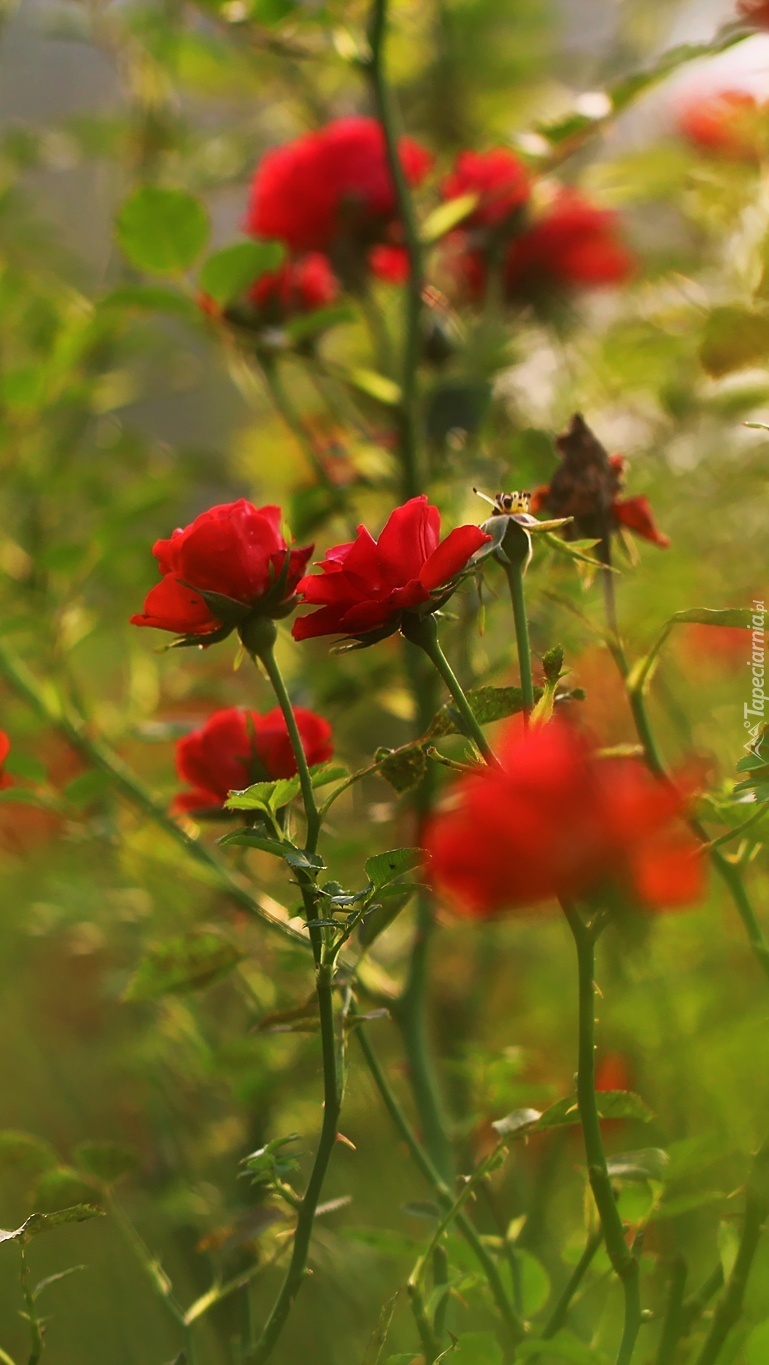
378 1338
228 274
563 1346
648 1164
107 1162
757 1345
46 1222
611 1104
640 673
152 298
162 230
60 1188
375 385
728 1246
733 339
446 217
515 1122
183 964
272 1162
476 1348
265 795
487 703
403 768
24 1155
26 766
385 867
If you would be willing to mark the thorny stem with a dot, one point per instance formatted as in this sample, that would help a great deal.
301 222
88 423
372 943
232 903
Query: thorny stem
729 1308
514 574
100 756
728 872
383 103
332 1078
624 1262
441 1189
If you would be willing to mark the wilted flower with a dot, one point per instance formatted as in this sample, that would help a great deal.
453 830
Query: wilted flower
331 190
555 820
586 486
231 563
236 748
366 585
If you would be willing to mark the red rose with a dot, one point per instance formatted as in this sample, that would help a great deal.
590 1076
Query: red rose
556 821
5 749
298 286
331 184
235 748
727 122
366 585
573 245
235 551
500 180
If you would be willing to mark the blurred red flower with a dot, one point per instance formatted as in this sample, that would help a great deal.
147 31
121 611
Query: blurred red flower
235 748
497 177
730 123
557 821
366 584
572 245
5 749
235 551
331 185
299 286
754 12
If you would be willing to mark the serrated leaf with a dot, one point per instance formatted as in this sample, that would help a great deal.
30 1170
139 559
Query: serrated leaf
228 274
183 964
383 868
162 230
403 768
447 216
106 1161
650 1163
38 1223
265 795
611 1104
516 1121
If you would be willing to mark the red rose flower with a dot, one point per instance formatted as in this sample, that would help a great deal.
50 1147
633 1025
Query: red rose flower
330 185
728 123
366 585
5 749
298 286
573 245
235 748
234 551
556 821
499 179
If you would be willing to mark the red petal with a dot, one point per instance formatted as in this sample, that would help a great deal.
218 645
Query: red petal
636 514
171 606
410 536
452 555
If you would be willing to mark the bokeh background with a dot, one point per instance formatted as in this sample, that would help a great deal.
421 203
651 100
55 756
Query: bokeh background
119 420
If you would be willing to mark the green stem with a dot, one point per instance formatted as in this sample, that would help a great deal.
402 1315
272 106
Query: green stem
561 1311
156 1276
729 1309
622 1259
441 1190
673 1323
383 103
100 756
266 656
423 631
697 1302
514 574
332 1090
35 1331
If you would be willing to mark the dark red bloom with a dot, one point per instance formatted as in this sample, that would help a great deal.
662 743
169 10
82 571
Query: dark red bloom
498 178
586 486
366 585
572 245
556 821
5 749
754 12
299 286
329 185
235 551
236 748
730 123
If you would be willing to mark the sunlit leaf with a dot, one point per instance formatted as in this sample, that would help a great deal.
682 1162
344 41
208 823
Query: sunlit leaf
162 230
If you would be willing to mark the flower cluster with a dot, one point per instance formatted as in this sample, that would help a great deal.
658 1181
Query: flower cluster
558 821
236 748
229 565
565 243
586 487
